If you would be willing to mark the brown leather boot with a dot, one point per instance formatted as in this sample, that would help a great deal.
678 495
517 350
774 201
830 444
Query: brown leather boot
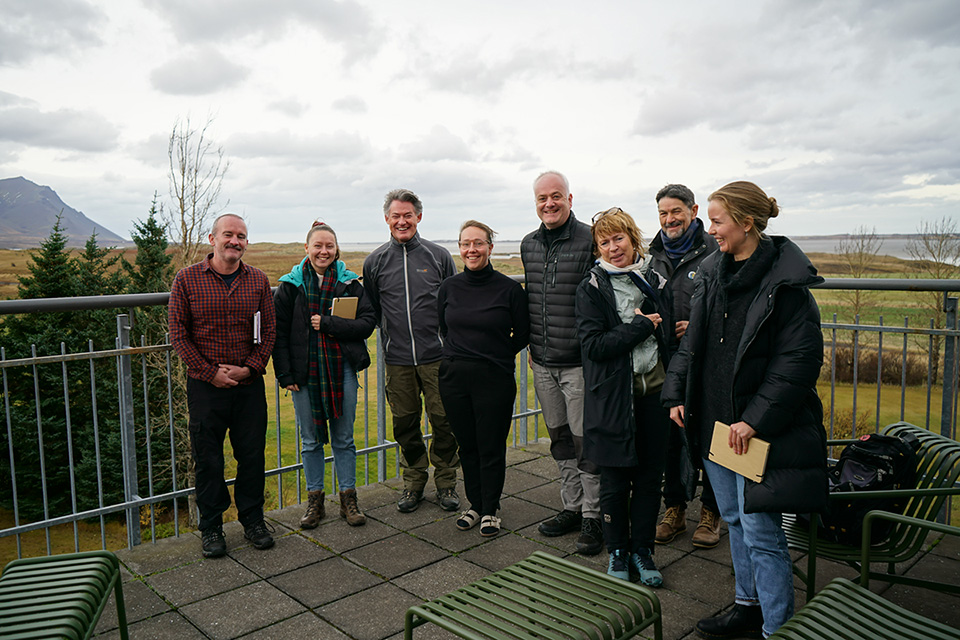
315 510
707 535
673 524
349 510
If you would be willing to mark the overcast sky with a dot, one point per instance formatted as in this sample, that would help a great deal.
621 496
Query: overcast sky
846 111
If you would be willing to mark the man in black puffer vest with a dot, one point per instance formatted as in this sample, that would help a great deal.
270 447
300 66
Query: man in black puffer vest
556 257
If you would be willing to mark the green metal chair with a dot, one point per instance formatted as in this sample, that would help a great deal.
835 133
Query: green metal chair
542 597
938 472
847 611
59 596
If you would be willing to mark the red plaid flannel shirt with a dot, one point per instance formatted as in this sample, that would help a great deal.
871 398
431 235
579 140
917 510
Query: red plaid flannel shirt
211 324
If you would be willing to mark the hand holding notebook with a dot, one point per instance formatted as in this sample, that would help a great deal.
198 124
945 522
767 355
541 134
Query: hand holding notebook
750 464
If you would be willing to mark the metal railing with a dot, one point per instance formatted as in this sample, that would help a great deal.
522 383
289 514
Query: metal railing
155 479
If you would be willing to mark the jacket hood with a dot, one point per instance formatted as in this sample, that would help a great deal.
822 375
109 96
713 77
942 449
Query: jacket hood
295 277
791 266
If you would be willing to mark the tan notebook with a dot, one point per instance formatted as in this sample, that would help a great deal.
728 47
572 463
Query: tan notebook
750 465
344 308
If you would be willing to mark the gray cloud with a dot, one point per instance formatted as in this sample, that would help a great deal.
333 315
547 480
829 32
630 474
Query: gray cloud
199 72
289 149
290 106
32 28
346 22
350 104
439 144
66 129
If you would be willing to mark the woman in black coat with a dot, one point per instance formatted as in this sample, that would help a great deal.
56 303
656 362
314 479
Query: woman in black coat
317 357
751 358
625 428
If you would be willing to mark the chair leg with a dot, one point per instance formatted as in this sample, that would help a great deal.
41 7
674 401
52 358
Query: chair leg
811 577
121 609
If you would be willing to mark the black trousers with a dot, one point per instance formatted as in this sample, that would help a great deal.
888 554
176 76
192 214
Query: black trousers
478 398
630 496
241 411
673 494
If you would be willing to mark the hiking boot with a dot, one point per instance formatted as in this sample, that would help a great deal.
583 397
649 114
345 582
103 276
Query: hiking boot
673 524
449 500
740 622
315 510
259 534
707 534
619 564
642 563
560 524
349 510
409 500
213 543
590 541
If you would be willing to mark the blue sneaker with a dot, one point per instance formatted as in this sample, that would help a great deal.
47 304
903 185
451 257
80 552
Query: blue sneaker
642 563
619 566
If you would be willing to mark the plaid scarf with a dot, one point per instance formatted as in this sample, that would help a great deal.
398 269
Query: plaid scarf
325 365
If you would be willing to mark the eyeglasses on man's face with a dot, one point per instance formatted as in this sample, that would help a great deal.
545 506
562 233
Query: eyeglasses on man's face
472 244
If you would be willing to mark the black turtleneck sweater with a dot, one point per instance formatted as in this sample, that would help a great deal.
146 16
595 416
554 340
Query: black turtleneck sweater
483 316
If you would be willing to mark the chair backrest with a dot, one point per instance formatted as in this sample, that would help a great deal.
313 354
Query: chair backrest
938 466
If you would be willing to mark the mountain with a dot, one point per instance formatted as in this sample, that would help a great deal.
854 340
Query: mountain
28 212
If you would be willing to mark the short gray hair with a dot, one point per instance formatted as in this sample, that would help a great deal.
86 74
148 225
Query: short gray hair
678 191
563 178
216 222
403 195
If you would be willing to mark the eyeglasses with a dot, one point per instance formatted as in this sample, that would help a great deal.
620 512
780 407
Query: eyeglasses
608 211
473 244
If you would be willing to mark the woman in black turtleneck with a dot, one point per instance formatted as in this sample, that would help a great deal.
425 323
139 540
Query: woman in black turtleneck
484 323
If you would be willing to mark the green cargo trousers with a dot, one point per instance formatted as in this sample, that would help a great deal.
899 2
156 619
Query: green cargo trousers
404 385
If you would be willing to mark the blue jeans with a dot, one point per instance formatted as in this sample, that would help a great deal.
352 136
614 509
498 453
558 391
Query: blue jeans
341 436
761 561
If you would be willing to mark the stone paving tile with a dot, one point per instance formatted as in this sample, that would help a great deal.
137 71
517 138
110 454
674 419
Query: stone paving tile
169 626
516 481
440 578
517 514
444 534
200 580
525 453
942 607
504 550
396 555
426 512
682 545
165 554
305 625
341 537
702 580
324 582
376 495
566 543
543 467
290 552
546 495
681 613
232 614
372 614
948 547
139 602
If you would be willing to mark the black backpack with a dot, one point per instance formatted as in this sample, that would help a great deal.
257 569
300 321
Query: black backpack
873 463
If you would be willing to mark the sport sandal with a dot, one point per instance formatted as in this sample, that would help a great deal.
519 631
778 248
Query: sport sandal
489 526
468 520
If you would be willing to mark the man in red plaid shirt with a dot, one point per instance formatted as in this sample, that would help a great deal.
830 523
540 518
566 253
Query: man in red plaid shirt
222 326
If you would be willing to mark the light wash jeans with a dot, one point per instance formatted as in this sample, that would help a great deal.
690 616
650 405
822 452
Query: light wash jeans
341 436
758 547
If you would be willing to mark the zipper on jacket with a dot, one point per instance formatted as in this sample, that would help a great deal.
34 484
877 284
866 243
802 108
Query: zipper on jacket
736 364
406 288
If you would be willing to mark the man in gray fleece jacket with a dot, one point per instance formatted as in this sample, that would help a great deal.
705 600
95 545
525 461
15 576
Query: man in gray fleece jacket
402 278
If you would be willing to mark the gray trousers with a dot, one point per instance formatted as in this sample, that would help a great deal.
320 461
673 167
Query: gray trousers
560 391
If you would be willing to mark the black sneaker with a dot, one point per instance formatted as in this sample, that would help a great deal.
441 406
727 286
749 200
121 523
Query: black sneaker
590 540
213 543
449 500
259 534
409 501
560 524
739 622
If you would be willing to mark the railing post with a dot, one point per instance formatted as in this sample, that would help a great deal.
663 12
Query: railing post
949 369
381 412
128 444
